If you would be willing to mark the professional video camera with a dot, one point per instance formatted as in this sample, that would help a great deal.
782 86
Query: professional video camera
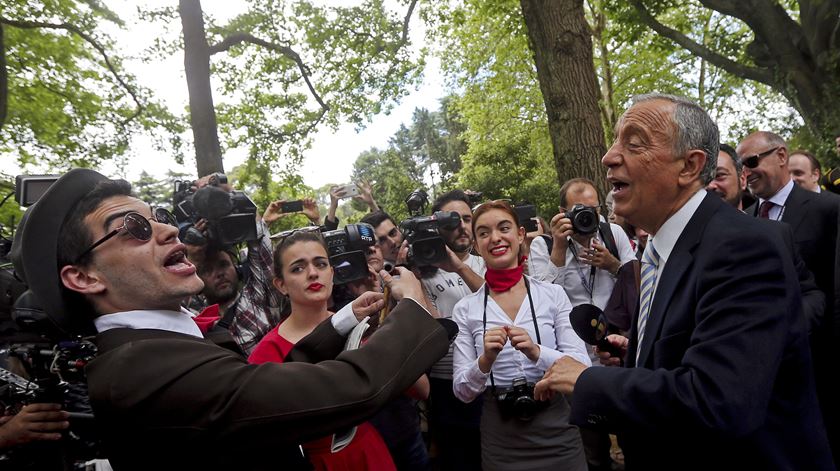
53 365
585 219
425 245
231 216
346 248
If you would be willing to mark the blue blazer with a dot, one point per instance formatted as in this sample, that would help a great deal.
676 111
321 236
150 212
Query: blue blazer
724 378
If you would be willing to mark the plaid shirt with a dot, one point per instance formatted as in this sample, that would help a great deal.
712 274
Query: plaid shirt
258 306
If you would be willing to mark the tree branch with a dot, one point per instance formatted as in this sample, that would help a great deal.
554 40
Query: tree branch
406 21
239 38
75 30
740 70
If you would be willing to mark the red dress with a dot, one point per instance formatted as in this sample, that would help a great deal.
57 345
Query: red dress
366 451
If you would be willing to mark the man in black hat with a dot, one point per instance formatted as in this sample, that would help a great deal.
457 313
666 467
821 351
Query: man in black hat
95 256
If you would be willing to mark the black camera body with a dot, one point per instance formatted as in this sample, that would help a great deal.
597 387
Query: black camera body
526 213
584 219
231 216
518 401
346 249
425 244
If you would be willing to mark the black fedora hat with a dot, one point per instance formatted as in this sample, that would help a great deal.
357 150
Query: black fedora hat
35 248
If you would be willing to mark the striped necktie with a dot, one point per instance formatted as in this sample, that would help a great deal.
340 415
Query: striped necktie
650 262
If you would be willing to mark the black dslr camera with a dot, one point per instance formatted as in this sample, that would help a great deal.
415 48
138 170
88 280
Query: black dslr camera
426 246
584 219
346 248
518 401
231 216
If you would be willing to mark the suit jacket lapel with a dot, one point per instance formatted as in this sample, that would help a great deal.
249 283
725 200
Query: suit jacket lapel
794 209
678 263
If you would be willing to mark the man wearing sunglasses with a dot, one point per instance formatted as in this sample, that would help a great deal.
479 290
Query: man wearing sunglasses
813 218
165 397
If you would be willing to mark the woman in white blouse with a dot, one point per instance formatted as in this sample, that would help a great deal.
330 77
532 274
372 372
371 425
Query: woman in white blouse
499 353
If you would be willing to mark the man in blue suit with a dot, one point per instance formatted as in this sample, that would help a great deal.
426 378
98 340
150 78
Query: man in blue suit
718 370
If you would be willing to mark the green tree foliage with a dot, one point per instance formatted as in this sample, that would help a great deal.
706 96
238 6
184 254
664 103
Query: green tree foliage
69 100
789 47
286 68
426 154
484 52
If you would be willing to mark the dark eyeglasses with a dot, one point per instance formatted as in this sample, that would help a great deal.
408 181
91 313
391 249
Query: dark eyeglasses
137 226
752 161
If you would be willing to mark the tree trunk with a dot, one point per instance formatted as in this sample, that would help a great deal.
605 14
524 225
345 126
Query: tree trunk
208 153
4 80
562 45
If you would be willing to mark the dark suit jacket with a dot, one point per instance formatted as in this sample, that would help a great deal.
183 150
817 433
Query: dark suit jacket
813 217
724 378
165 400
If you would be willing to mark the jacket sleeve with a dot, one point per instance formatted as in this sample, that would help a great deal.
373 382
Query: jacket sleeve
205 389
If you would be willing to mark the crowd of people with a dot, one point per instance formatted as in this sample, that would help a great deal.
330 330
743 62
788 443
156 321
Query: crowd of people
714 267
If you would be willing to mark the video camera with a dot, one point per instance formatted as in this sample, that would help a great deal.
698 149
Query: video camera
425 245
346 248
231 216
53 365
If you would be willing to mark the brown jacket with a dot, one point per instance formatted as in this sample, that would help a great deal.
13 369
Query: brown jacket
165 400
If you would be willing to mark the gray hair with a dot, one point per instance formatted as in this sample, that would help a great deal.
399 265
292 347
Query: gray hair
695 130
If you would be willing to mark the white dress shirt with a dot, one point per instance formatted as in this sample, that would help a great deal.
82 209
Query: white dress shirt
181 322
551 306
666 237
779 200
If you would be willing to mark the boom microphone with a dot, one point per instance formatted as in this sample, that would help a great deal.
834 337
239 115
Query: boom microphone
589 323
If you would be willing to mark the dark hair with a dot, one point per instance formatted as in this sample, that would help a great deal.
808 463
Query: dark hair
448 197
376 218
290 240
815 164
75 237
564 190
736 161
496 204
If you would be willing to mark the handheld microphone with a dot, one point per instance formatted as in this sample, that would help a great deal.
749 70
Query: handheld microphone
589 323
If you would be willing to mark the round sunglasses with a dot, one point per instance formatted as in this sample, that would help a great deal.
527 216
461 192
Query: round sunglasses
137 226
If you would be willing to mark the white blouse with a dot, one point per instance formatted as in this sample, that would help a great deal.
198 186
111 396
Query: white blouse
551 306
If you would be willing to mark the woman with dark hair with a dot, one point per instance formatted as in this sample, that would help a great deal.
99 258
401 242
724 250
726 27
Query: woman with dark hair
303 273
511 330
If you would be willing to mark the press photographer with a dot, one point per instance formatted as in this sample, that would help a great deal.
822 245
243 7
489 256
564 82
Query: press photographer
454 425
422 234
511 331
247 304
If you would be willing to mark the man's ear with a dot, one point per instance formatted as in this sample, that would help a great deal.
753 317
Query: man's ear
280 285
693 164
83 281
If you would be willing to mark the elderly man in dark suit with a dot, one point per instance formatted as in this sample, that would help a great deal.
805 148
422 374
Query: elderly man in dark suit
813 217
164 396
717 365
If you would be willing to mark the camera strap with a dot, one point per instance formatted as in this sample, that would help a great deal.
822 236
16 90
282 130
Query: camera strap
590 286
533 318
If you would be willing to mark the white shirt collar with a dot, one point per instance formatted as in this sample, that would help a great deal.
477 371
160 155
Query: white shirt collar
173 321
666 237
781 196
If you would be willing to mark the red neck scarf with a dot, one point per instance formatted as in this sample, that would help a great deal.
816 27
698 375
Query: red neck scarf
501 280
